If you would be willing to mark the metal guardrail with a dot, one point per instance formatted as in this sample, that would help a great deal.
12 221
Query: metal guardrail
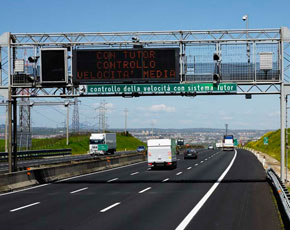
281 191
37 153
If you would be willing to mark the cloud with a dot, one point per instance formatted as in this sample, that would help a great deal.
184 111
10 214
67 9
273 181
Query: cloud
273 114
109 105
227 118
2 119
153 122
161 107
186 122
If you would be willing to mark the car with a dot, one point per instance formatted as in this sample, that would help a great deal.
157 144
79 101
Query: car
190 154
141 149
210 147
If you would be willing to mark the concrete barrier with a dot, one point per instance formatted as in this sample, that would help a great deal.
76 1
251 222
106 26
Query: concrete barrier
16 180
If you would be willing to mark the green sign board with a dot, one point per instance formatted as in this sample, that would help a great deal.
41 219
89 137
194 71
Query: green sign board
266 140
162 88
236 142
103 147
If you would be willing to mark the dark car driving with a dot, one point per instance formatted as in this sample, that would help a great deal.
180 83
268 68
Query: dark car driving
141 149
190 154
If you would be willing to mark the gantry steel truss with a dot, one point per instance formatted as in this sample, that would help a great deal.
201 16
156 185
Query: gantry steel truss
191 43
239 50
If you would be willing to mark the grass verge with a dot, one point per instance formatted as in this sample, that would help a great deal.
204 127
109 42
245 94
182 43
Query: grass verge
79 143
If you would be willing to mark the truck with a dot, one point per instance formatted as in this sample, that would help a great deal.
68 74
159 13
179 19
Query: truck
219 145
180 142
102 143
228 142
161 153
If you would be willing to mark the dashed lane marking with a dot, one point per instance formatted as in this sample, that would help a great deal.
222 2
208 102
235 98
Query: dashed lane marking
79 190
112 180
144 190
26 206
111 206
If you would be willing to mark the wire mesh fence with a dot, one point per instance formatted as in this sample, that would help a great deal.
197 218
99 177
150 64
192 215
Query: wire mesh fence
238 62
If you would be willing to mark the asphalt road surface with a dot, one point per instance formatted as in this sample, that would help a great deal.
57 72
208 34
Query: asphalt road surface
219 190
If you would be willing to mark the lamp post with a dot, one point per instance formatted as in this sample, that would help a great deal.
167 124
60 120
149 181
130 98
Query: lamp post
246 18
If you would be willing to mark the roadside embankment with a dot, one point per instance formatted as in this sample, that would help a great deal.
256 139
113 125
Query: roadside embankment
269 162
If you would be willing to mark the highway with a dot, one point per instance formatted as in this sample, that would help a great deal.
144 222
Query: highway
219 190
23 164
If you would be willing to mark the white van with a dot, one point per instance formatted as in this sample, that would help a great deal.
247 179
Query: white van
162 153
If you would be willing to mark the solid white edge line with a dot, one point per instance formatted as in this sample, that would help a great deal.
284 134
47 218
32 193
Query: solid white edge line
22 190
134 173
79 190
71 178
111 206
26 206
113 179
165 179
194 211
144 190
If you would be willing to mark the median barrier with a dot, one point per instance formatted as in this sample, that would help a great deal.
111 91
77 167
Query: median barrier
16 180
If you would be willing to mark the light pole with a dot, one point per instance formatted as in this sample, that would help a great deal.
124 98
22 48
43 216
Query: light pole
246 18
126 115
226 129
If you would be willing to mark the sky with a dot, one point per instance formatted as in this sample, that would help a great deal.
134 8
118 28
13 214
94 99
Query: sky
261 112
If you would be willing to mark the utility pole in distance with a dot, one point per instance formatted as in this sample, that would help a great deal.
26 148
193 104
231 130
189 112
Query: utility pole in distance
67 123
226 129
126 116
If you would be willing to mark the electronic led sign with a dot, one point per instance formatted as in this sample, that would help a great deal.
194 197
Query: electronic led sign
126 66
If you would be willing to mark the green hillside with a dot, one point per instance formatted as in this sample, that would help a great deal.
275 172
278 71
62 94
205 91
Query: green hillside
80 143
2 145
273 147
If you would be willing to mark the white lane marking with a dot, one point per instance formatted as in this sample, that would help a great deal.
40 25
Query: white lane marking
79 190
26 206
111 206
195 210
189 168
112 180
71 178
196 165
22 190
144 190
178 159
206 159
201 162
165 179
178 173
89 174
134 173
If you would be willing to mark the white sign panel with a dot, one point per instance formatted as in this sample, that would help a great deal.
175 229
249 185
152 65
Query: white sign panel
266 61
19 65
